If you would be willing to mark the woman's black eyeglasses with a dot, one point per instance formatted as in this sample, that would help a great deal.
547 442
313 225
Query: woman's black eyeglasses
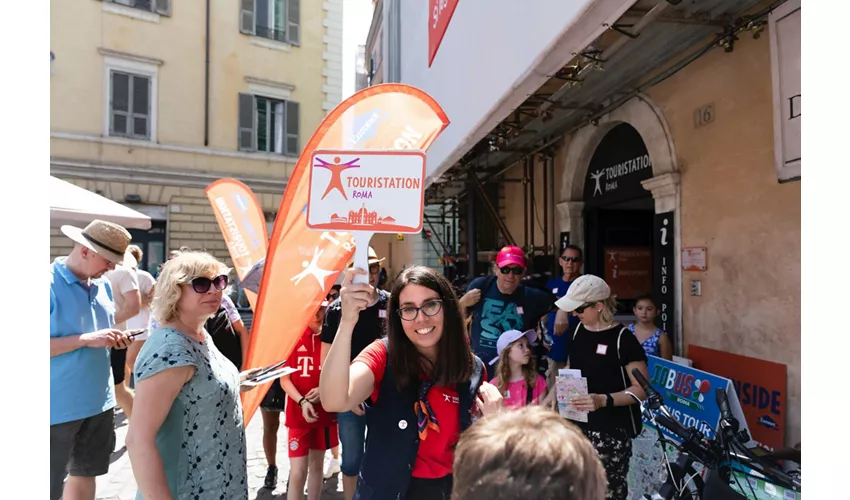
430 308
510 269
580 309
202 284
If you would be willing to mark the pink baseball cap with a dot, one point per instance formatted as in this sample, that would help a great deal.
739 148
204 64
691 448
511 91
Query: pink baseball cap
511 255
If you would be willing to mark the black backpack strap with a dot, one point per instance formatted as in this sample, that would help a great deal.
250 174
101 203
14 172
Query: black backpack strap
468 391
528 395
489 281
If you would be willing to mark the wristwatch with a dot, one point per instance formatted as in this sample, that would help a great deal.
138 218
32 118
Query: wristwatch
609 403
301 401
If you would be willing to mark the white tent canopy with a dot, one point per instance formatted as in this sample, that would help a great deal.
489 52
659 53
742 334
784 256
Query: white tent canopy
70 204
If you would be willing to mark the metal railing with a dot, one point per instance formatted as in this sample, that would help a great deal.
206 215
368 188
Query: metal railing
270 33
146 5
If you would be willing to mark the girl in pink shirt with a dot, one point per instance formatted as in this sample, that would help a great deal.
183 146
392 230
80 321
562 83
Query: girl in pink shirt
516 376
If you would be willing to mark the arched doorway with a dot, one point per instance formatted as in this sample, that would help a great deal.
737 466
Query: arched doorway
634 141
618 215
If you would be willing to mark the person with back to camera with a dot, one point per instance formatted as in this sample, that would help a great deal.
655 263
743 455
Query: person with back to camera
421 385
606 353
530 453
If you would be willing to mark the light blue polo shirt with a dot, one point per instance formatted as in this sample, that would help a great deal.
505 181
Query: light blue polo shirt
81 383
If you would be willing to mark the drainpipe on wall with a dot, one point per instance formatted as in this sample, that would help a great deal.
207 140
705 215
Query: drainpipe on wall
207 79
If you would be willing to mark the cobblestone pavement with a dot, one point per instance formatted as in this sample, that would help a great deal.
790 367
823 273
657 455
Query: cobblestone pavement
119 483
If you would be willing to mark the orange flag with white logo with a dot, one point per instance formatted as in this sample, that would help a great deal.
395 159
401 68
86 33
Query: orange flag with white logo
302 264
243 225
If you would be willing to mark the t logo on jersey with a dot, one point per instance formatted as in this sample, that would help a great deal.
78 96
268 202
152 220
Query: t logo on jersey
305 364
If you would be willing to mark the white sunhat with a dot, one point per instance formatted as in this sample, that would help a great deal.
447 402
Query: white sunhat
508 338
584 290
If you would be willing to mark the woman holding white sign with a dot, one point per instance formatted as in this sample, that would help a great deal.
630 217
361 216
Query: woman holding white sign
420 384
606 353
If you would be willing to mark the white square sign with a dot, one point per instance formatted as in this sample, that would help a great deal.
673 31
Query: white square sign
373 190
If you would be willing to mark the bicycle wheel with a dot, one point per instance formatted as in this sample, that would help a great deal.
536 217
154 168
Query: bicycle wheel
690 486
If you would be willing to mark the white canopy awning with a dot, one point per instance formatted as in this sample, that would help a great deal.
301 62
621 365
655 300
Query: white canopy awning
70 204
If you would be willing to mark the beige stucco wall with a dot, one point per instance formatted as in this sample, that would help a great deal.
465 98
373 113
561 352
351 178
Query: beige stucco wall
733 205
77 85
173 169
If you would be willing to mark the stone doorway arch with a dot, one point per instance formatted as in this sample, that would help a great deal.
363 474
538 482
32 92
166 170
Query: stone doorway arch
642 114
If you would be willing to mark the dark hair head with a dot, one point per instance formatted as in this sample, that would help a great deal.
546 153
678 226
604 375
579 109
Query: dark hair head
576 248
648 297
454 355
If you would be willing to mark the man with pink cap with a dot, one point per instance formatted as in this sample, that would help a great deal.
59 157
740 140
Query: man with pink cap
500 303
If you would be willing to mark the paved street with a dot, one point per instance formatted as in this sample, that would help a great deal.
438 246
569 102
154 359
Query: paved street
119 484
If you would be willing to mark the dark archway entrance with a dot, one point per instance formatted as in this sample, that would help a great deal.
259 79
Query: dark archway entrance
619 215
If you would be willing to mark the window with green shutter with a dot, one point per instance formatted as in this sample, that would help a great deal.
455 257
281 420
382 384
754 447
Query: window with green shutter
268 125
273 19
161 7
129 105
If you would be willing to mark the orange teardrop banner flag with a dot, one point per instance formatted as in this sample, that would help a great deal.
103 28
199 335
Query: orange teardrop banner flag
243 225
302 264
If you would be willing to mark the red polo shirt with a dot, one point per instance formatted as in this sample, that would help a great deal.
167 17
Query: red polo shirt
307 358
435 456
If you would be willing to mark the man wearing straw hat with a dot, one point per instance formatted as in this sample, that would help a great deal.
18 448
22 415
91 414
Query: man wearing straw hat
82 392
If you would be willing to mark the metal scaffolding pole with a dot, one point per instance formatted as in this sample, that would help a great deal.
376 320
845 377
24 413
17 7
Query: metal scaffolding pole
471 228
545 204
525 203
556 249
494 214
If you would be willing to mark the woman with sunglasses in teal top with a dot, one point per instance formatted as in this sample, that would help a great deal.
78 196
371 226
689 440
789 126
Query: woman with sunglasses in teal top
187 438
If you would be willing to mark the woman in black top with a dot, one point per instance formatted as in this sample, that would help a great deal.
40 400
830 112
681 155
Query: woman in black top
606 353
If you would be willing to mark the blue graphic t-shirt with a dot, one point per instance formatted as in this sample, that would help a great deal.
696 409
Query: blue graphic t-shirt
560 344
497 313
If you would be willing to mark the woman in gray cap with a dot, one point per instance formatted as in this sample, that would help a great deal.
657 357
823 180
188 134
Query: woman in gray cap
606 353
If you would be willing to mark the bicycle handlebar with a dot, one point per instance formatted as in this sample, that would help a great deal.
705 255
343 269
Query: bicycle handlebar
727 422
692 440
694 443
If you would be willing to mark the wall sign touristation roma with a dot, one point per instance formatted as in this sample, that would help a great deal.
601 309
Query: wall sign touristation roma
303 263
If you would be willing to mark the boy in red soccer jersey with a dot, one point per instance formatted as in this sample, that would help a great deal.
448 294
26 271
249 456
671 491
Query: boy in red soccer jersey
311 430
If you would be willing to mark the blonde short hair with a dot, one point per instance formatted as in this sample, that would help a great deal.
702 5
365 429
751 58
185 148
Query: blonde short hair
179 271
609 309
527 453
136 252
